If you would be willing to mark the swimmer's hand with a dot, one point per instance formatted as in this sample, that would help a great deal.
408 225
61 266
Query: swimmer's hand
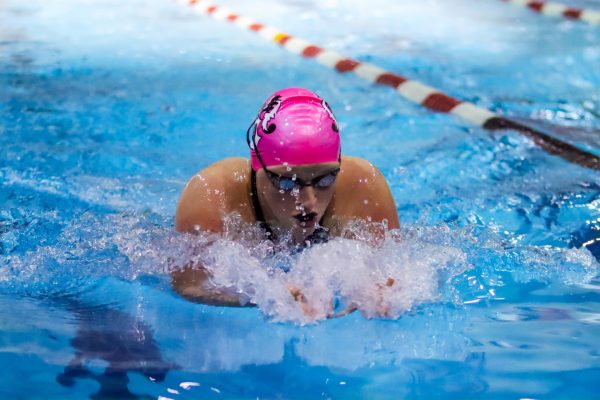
300 298
382 305
379 307
348 310
312 312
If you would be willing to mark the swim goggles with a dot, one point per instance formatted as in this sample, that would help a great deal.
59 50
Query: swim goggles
286 183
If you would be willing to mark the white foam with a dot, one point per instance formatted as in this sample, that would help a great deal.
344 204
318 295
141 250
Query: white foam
412 267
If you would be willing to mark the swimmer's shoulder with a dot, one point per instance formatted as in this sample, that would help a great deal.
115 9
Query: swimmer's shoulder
362 193
220 189
354 166
358 174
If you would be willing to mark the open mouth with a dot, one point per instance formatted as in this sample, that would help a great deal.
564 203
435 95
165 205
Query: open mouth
306 217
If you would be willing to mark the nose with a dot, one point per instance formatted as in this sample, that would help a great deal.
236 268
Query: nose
307 198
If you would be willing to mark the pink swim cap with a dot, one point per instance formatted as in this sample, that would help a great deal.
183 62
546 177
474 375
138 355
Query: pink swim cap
294 127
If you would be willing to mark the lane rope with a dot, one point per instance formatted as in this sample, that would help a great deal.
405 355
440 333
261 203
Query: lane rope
559 10
411 90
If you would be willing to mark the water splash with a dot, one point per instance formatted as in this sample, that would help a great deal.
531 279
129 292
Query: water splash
400 273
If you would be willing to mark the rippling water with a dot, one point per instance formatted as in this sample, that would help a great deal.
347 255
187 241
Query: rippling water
106 110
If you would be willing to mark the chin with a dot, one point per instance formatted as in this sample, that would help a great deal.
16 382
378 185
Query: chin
302 232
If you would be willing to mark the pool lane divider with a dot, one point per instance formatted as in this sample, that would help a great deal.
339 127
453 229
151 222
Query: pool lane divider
559 10
411 90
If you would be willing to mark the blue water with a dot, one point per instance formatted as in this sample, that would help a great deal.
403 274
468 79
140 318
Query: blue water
107 108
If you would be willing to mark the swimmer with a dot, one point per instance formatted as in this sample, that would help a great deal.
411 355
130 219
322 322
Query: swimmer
297 185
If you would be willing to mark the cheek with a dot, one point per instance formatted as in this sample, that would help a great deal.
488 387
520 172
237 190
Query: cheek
281 203
325 196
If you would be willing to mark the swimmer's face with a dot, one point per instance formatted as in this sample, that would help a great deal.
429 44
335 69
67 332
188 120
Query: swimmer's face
296 197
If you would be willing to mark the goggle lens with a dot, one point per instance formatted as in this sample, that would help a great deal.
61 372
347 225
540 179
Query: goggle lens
286 184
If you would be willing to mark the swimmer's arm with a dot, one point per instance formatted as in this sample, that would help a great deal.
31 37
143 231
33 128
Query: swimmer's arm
191 283
207 197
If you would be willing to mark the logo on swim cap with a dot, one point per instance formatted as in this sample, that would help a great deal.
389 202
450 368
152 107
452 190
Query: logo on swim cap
328 109
294 127
267 114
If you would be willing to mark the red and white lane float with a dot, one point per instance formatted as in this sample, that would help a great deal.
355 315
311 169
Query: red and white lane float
411 90
559 10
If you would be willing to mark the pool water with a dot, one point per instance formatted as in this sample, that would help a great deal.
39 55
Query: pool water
107 109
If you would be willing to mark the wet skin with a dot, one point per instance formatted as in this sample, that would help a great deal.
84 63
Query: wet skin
301 208
360 192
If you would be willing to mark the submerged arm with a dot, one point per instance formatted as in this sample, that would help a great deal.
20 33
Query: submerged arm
206 198
192 283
